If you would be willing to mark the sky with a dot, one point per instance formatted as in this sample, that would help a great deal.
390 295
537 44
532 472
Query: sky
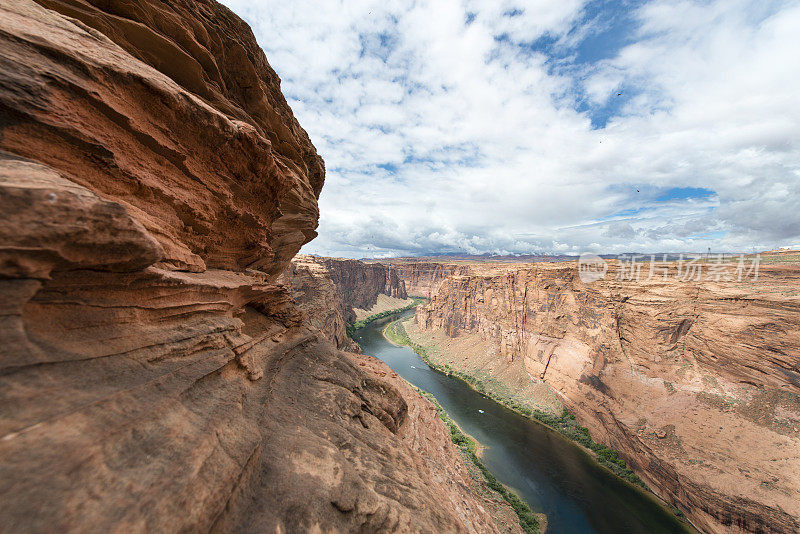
545 126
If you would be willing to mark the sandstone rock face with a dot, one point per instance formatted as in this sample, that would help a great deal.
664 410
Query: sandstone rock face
327 289
135 107
697 384
423 279
359 283
153 375
318 298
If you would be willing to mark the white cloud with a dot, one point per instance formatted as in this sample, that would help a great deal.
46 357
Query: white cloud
443 129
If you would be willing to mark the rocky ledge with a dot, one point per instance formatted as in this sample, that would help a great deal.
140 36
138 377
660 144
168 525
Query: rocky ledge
328 291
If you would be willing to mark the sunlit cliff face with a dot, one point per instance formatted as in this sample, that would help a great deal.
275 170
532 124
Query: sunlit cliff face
693 379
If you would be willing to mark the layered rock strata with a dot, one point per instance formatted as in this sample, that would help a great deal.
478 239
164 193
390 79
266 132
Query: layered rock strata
696 383
154 377
319 299
423 278
327 291
358 284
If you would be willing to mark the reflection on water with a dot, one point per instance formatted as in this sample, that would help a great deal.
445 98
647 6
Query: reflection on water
551 473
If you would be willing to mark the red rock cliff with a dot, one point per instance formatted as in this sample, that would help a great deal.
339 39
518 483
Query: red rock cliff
153 377
423 278
696 383
358 284
315 294
139 111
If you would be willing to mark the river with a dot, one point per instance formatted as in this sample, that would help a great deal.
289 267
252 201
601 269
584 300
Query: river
552 474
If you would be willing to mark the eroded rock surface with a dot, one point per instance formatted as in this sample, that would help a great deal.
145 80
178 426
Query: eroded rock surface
359 283
697 384
327 290
423 278
154 377
131 102
317 297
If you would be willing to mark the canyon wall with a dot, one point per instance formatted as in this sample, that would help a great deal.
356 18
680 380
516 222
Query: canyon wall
327 289
316 297
423 279
358 284
696 383
154 377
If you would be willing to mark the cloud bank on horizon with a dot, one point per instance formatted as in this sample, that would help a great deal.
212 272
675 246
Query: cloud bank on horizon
556 126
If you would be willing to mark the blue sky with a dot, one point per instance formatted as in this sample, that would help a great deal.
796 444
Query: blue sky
477 126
